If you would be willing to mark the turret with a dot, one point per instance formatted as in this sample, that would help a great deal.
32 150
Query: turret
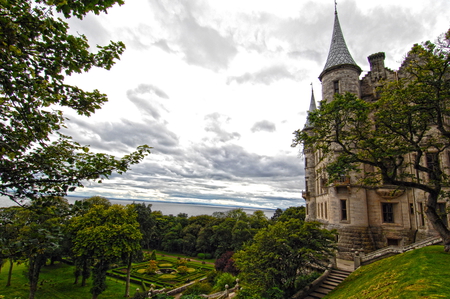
310 164
341 73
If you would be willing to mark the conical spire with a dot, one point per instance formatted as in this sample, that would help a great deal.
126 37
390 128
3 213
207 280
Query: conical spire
312 107
339 53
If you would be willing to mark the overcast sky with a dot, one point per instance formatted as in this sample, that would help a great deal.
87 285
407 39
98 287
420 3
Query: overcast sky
218 87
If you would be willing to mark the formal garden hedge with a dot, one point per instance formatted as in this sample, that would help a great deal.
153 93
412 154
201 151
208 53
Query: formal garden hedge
167 275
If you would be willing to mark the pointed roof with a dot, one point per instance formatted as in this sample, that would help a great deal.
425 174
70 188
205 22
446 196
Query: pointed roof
312 107
339 53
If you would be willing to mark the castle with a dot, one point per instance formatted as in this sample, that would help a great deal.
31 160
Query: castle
366 219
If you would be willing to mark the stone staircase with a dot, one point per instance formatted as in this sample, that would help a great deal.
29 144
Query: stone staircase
333 280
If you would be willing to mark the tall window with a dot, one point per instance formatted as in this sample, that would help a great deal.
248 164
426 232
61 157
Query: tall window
326 211
388 212
432 162
421 214
336 86
343 209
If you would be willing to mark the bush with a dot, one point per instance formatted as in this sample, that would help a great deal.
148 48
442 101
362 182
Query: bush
198 288
201 256
222 280
140 295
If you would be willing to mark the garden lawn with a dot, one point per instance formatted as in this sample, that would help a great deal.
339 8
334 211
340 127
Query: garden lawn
420 273
56 282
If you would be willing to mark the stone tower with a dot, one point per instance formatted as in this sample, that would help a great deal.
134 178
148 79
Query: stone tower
341 73
365 219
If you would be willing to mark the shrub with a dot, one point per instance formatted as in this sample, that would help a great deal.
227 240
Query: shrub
225 263
223 279
182 269
198 288
152 267
201 256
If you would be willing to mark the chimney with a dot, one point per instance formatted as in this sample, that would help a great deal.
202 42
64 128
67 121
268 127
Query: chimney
377 70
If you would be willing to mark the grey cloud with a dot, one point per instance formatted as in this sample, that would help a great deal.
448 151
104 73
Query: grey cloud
265 76
263 125
214 124
235 160
123 135
142 97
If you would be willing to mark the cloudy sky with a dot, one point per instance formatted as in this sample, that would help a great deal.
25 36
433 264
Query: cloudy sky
218 87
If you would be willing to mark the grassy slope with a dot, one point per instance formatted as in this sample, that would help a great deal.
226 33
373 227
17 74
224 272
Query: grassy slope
421 273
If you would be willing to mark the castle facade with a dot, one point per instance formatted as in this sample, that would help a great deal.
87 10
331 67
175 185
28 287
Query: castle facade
366 219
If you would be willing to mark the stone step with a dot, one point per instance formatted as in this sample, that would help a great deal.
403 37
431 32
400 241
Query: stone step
316 295
338 276
334 280
329 284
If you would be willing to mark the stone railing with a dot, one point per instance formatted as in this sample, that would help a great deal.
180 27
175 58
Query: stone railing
313 285
393 250
223 294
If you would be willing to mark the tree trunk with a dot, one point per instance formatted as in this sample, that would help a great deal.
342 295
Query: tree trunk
436 221
85 272
127 284
11 264
34 268
99 278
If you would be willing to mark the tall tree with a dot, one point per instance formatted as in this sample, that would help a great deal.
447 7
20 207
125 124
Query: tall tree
9 234
41 234
404 137
37 52
105 234
280 253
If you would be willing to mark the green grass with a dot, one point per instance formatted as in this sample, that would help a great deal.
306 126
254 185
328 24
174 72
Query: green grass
421 273
57 282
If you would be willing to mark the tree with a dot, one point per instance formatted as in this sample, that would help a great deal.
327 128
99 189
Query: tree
9 234
225 263
404 149
37 53
292 212
147 223
280 254
41 234
105 234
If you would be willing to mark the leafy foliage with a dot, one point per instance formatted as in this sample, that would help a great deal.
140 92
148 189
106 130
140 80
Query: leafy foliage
37 52
282 252
105 234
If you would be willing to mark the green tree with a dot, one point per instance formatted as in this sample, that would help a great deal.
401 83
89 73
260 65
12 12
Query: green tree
37 52
105 234
147 223
9 234
41 234
292 212
404 149
280 253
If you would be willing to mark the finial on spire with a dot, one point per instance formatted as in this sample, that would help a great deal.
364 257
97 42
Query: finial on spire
335 6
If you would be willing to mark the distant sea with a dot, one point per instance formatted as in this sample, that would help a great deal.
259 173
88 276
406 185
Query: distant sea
168 208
